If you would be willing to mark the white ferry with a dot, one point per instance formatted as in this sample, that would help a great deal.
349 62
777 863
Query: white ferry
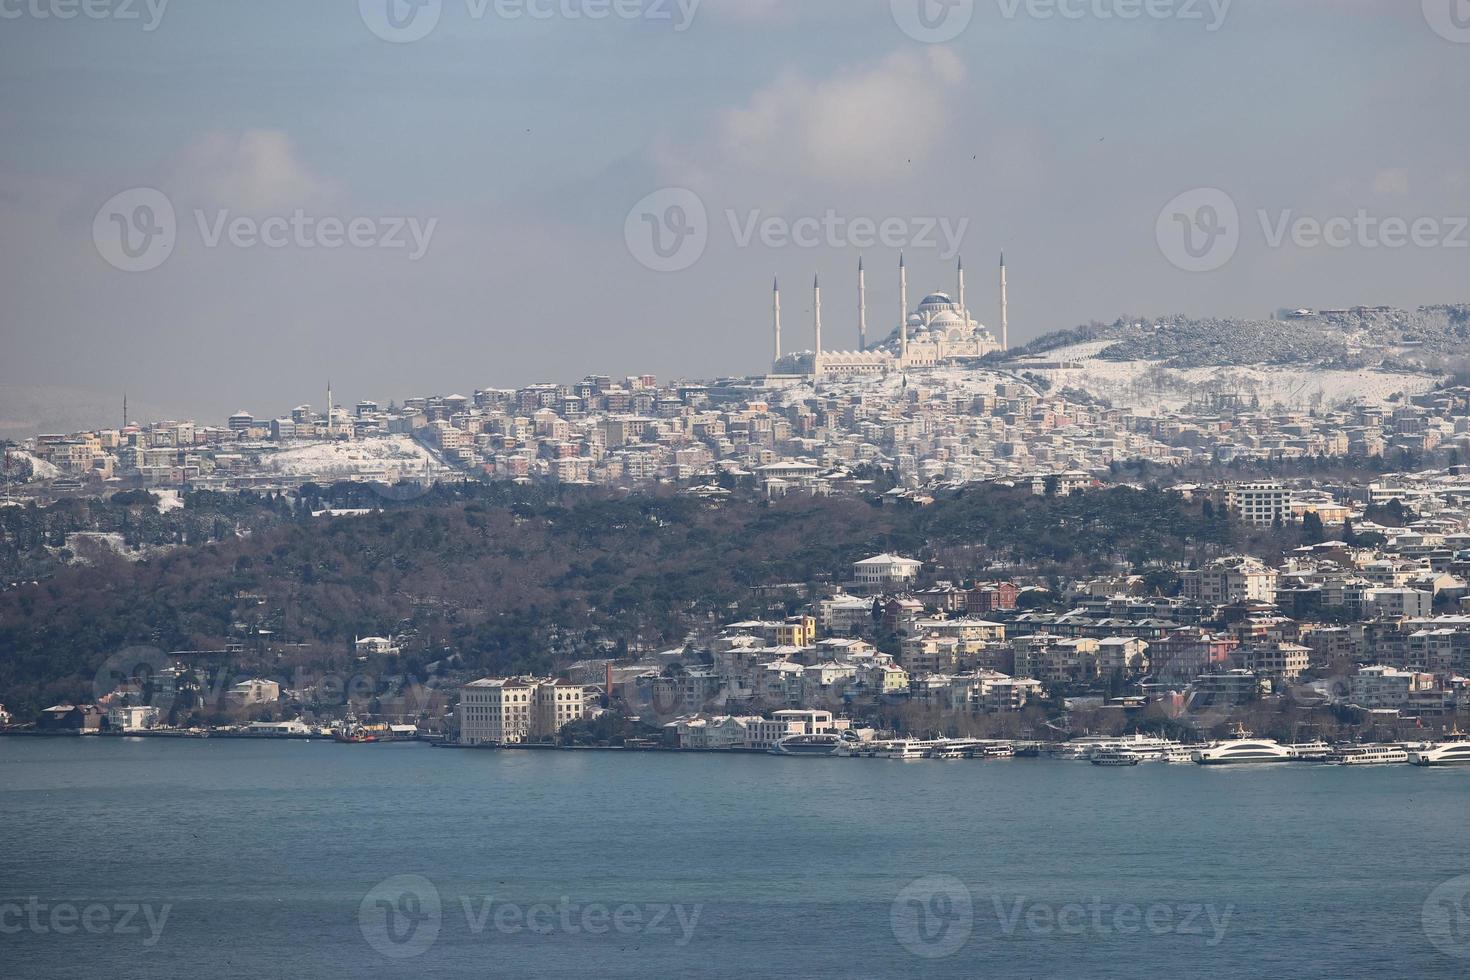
1243 749
955 748
1371 755
1116 757
1178 753
1442 754
826 744
1148 748
1313 751
906 749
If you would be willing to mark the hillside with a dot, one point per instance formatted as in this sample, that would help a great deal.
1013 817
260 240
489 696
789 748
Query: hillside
1428 337
506 580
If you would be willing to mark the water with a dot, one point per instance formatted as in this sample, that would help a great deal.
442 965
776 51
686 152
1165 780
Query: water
271 860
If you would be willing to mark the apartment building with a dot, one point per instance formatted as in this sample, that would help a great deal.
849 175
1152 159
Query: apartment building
499 711
1261 504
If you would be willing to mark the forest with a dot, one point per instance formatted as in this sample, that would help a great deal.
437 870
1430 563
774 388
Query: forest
498 579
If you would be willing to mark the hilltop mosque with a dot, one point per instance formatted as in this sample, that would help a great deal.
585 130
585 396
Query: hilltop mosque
940 331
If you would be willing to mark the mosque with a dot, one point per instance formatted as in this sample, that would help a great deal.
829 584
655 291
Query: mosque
940 331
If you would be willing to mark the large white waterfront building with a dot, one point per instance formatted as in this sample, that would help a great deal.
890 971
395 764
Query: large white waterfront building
497 711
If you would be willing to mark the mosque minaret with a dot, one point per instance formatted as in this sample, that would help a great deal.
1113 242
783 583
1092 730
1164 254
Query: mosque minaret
776 314
940 331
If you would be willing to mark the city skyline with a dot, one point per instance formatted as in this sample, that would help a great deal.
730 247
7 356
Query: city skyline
522 202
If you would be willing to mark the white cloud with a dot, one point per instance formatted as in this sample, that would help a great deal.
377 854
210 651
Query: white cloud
254 170
862 127
1391 183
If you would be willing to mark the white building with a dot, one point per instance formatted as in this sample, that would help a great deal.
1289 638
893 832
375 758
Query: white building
497 711
132 717
1399 603
885 572
1261 504
1234 579
1387 687
376 645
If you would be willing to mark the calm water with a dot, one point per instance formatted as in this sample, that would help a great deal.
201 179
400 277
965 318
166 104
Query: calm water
252 860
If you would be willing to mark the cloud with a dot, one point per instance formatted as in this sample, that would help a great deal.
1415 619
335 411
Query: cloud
1391 183
863 127
254 170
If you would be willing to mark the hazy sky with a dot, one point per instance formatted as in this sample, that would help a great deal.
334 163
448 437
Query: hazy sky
517 147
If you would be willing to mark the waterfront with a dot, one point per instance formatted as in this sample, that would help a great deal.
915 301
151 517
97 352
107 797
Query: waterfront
270 857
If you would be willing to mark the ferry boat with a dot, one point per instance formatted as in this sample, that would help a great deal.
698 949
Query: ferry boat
1313 751
998 751
1177 754
1371 755
1115 757
1455 753
1243 749
1148 748
827 744
904 749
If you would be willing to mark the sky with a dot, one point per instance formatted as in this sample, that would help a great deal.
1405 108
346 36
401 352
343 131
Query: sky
219 206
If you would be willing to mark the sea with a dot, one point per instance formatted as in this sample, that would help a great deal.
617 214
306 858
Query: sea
175 858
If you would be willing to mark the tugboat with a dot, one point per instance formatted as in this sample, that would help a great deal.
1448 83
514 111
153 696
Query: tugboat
354 733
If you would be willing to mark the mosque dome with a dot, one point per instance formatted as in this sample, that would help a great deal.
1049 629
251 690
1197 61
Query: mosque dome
948 324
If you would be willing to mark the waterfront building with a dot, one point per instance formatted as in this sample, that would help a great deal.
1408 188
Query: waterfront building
498 711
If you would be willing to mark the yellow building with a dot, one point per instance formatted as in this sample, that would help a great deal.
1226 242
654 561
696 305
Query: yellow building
798 631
